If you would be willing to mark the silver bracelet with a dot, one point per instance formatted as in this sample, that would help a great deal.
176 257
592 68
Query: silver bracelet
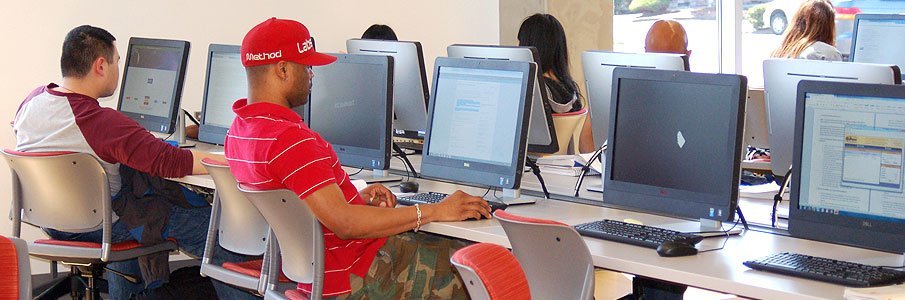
418 209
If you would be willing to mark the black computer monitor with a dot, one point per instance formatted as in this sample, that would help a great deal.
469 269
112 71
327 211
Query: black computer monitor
879 39
152 83
849 145
410 89
225 83
675 142
542 133
478 123
351 106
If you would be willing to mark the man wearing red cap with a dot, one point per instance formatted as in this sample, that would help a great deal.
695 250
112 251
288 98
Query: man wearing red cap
370 251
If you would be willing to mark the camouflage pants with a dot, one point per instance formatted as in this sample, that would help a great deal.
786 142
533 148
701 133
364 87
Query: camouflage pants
411 266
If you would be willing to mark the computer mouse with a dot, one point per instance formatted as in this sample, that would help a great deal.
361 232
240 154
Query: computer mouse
674 249
494 206
408 187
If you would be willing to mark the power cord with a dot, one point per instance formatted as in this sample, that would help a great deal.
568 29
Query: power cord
725 240
536 170
404 157
778 197
587 167
191 117
407 173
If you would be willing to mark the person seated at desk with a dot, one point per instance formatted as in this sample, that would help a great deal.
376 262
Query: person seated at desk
667 36
68 117
380 32
812 33
546 34
369 246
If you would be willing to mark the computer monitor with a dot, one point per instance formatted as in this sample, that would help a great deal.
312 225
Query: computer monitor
410 89
542 135
675 143
224 83
781 77
879 39
849 144
598 75
351 106
152 84
478 123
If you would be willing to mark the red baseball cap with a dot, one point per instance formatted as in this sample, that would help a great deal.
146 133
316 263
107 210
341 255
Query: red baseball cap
278 39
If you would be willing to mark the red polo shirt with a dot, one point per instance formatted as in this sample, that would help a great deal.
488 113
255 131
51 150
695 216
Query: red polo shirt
269 147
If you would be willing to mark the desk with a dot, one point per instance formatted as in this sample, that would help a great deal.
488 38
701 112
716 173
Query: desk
720 270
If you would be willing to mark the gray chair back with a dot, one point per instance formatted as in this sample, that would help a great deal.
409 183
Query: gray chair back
62 190
298 234
242 229
539 248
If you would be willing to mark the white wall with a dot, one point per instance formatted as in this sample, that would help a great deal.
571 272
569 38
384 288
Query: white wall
33 32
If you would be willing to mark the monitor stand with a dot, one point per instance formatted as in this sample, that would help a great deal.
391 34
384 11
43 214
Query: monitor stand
705 228
179 135
513 197
378 176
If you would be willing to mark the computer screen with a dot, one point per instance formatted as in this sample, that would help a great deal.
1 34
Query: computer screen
351 107
879 38
225 83
675 142
152 82
598 74
542 136
850 144
478 121
410 89
781 78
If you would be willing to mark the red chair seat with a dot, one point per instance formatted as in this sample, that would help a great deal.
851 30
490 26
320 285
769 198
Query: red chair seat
128 245
251 268
296 295
497 268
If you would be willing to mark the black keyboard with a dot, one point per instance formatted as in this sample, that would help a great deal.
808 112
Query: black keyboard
433 197
634 234
827 270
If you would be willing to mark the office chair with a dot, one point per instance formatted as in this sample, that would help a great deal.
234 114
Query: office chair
300 239
68 191
540 245
15 280
238 227
490 272
568 129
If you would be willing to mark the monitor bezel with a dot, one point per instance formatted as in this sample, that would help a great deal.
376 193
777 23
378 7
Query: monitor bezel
858 232
208 133
669 201
553 147
184 47
479 173
376 47
857 22
354 156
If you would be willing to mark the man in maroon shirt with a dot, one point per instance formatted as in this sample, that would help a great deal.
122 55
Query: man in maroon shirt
370 251
68 117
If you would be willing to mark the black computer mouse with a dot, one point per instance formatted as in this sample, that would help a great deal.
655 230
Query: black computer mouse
408 187
674 249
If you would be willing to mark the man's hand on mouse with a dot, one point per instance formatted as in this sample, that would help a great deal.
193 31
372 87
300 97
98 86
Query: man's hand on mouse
378 195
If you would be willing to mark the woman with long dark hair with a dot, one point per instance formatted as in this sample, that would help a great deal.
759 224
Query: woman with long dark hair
546 34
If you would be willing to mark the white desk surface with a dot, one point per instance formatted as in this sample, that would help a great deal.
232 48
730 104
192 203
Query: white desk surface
720 270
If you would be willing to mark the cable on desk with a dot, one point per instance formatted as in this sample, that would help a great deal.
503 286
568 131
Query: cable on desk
404 157
488 191
536 170
725 240
892 267
587 167
191 117
356 173
778 197
407 174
